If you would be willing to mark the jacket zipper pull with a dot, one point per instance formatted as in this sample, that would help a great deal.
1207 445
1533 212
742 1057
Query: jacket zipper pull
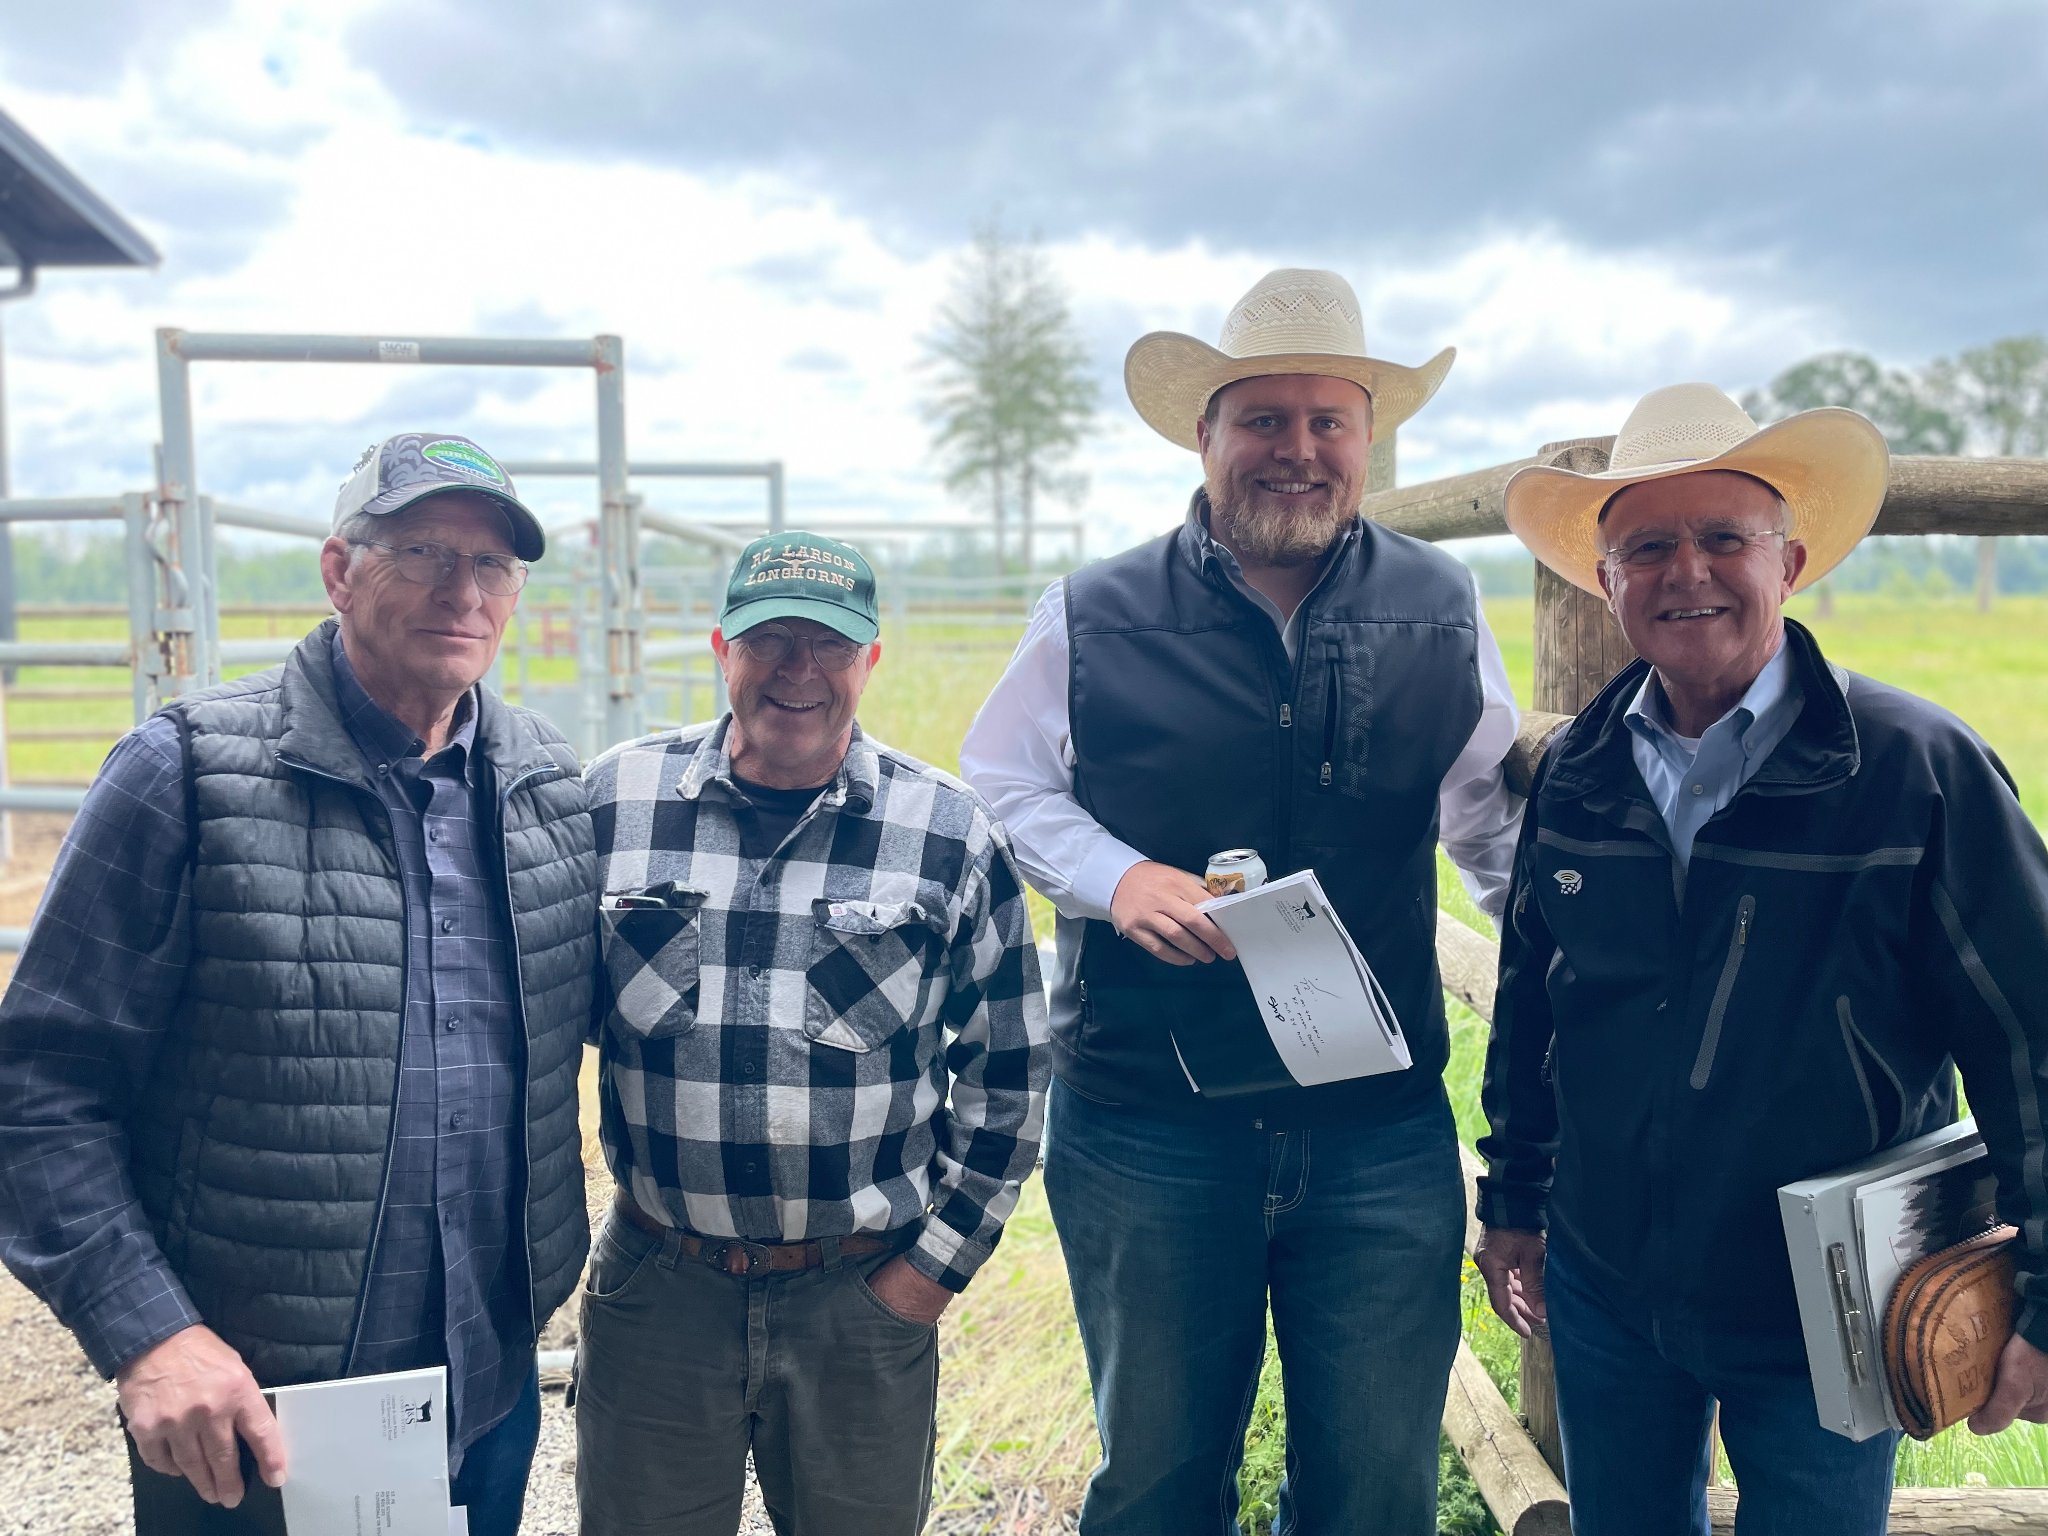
1326 775
1286 716
1742 926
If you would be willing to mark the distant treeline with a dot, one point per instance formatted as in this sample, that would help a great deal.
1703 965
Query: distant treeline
74 568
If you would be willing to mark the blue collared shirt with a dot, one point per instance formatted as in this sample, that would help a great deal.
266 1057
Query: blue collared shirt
1691 780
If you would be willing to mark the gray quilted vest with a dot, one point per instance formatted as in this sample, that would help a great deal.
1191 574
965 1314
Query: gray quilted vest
261 1146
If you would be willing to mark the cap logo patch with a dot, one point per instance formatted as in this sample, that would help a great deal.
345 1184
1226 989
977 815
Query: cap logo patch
464 459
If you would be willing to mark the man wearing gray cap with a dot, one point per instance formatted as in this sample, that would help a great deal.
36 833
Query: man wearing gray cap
288 1067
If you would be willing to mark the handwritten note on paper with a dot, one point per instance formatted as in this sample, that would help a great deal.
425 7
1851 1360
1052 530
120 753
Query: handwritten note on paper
1323 1008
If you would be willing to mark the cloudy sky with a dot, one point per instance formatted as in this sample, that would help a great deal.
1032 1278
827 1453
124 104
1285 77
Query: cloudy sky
1588 198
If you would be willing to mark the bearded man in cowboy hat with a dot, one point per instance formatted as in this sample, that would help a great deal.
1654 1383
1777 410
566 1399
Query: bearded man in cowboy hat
1274 674
1761 908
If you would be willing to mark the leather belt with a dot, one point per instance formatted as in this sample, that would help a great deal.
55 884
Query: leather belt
741 1258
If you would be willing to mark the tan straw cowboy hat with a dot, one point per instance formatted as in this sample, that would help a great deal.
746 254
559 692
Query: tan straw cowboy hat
1293 321
1830 465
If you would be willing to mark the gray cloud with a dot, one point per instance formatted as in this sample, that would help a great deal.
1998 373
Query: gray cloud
85 44
1874 153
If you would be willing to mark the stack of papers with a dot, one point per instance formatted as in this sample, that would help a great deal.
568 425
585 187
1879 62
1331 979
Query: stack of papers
367 1456
1326 1018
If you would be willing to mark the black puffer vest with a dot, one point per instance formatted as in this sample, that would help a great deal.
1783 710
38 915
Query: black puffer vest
1192 733
260 1150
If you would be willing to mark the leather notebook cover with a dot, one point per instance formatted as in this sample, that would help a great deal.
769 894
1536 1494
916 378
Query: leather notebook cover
1946 1323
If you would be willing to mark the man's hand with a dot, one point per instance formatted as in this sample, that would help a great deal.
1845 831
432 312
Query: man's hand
1510 1259
186 1400
1155 908
899 1287
2018 1391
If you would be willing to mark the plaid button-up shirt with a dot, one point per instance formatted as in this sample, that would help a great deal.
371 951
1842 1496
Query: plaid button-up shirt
845 1036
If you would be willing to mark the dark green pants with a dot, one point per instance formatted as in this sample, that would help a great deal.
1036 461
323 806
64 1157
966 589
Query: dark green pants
682 1370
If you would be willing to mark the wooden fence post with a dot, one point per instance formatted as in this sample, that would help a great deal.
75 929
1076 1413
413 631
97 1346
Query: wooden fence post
1381 463
1579 647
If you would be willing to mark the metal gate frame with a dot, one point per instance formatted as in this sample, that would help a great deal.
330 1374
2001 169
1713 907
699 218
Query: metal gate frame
185 650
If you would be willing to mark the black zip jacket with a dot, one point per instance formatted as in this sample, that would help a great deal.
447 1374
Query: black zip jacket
1869 912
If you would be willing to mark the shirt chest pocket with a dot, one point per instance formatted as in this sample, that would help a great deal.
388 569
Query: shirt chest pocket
653 956
874 965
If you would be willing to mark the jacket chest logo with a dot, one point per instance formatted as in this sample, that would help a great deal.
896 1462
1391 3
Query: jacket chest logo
1569 881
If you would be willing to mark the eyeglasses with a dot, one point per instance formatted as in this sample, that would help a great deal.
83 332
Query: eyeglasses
773 644
431 564
1654 549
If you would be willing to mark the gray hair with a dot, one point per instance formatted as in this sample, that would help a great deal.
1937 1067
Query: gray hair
357 528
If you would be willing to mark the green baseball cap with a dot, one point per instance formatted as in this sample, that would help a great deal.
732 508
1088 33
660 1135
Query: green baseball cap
802 576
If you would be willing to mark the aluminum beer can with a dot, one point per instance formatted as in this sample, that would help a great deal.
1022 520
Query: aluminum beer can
1234 870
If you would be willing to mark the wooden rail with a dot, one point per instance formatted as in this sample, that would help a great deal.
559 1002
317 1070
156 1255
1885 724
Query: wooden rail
1927 495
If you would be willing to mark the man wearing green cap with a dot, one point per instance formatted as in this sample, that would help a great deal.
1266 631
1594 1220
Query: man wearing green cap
823 1078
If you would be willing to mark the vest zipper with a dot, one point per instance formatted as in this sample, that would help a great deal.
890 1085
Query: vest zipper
355 1327
525 1064
1738 946
1330 726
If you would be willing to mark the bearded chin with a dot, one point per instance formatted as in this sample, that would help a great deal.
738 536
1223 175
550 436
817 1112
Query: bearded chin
1272 535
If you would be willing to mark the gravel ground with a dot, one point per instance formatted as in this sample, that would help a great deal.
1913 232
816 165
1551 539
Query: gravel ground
63 1471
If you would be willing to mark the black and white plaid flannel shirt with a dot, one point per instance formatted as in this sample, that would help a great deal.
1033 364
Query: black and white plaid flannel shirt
846 1036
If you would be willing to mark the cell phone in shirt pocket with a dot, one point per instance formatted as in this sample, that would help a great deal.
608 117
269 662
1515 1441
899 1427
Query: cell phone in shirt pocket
652 952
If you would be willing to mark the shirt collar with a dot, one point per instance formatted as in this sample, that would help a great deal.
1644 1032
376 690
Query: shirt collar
380 735
853 787
1769 694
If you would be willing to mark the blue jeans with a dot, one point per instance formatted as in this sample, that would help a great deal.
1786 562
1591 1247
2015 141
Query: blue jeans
1177 1237
1636 1389
492 1482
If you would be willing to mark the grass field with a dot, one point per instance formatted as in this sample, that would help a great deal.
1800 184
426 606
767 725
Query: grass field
1017 1439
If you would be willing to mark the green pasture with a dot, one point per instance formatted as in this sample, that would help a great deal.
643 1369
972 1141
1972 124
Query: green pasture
1016 1435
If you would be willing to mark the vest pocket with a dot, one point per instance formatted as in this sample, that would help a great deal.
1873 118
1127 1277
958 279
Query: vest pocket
653 957
867 976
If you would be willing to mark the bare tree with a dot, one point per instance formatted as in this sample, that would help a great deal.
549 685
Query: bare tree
1010 397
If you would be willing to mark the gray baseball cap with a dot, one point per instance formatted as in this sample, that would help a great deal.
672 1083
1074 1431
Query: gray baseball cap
393 474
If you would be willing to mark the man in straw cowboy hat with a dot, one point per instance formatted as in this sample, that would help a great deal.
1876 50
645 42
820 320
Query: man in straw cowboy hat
1759 907
1273 674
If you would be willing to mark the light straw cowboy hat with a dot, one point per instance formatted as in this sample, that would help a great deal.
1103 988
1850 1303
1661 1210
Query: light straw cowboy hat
1293 321
1830 465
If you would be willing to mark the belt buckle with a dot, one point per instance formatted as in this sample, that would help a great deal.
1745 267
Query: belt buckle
754 1257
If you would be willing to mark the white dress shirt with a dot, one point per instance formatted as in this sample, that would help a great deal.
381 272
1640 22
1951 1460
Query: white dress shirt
1019 755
